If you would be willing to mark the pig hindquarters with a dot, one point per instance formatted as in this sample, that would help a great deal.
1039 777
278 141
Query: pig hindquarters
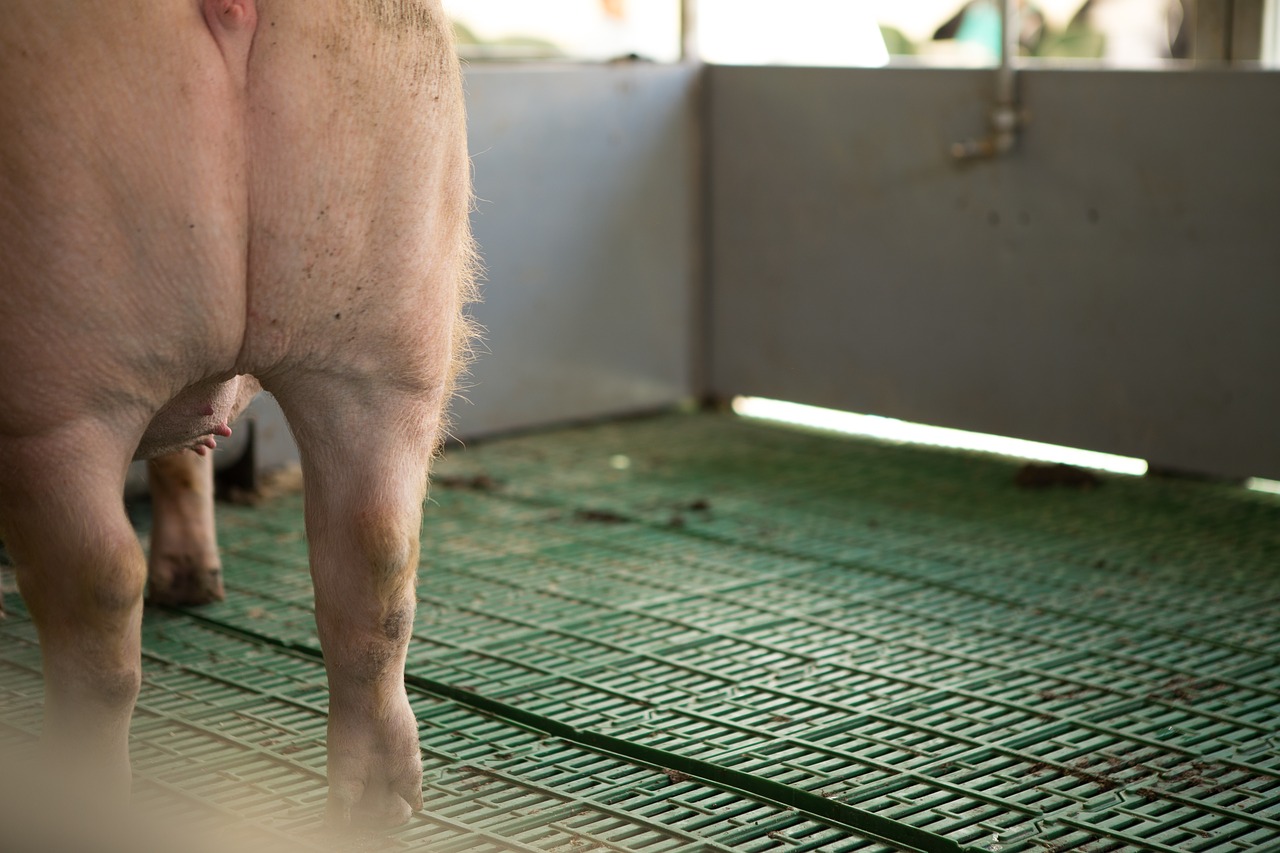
194 196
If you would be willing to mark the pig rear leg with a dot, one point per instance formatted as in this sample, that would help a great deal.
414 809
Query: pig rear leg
183 568
365 458
81 572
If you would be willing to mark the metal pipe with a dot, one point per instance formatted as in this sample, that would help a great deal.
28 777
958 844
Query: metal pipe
1009 30
1005 116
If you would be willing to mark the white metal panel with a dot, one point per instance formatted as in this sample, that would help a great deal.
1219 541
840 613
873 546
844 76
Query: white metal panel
587 218
1114 284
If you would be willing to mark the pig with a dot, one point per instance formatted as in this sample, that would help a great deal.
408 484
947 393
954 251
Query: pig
198 197
183 566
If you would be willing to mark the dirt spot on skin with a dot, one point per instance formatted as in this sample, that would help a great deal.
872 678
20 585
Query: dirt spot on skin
389 547
402 16
398 624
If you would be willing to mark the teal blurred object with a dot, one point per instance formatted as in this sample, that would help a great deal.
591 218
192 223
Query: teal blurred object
981 26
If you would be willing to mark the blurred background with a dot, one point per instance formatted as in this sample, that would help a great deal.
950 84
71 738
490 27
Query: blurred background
947 33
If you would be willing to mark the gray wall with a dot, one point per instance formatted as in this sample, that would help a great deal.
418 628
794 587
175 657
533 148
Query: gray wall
588 221
1112 285
1115 284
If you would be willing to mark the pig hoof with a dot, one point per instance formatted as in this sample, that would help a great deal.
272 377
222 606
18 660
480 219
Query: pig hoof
374 804
375 769
180 582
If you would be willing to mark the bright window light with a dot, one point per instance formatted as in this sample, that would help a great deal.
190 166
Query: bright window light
1260 485
799 32
890 429
1271 34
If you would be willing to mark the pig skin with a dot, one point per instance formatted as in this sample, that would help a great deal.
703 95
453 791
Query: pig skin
184 567
196 197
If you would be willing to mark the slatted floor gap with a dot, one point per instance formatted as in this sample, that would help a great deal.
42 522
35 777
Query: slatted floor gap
698 633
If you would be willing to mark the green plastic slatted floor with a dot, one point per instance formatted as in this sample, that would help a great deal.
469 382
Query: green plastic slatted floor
695 633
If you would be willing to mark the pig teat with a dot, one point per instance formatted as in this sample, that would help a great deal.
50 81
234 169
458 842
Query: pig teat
232 23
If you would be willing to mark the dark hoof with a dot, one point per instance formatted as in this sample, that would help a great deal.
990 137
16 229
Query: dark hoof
186 588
